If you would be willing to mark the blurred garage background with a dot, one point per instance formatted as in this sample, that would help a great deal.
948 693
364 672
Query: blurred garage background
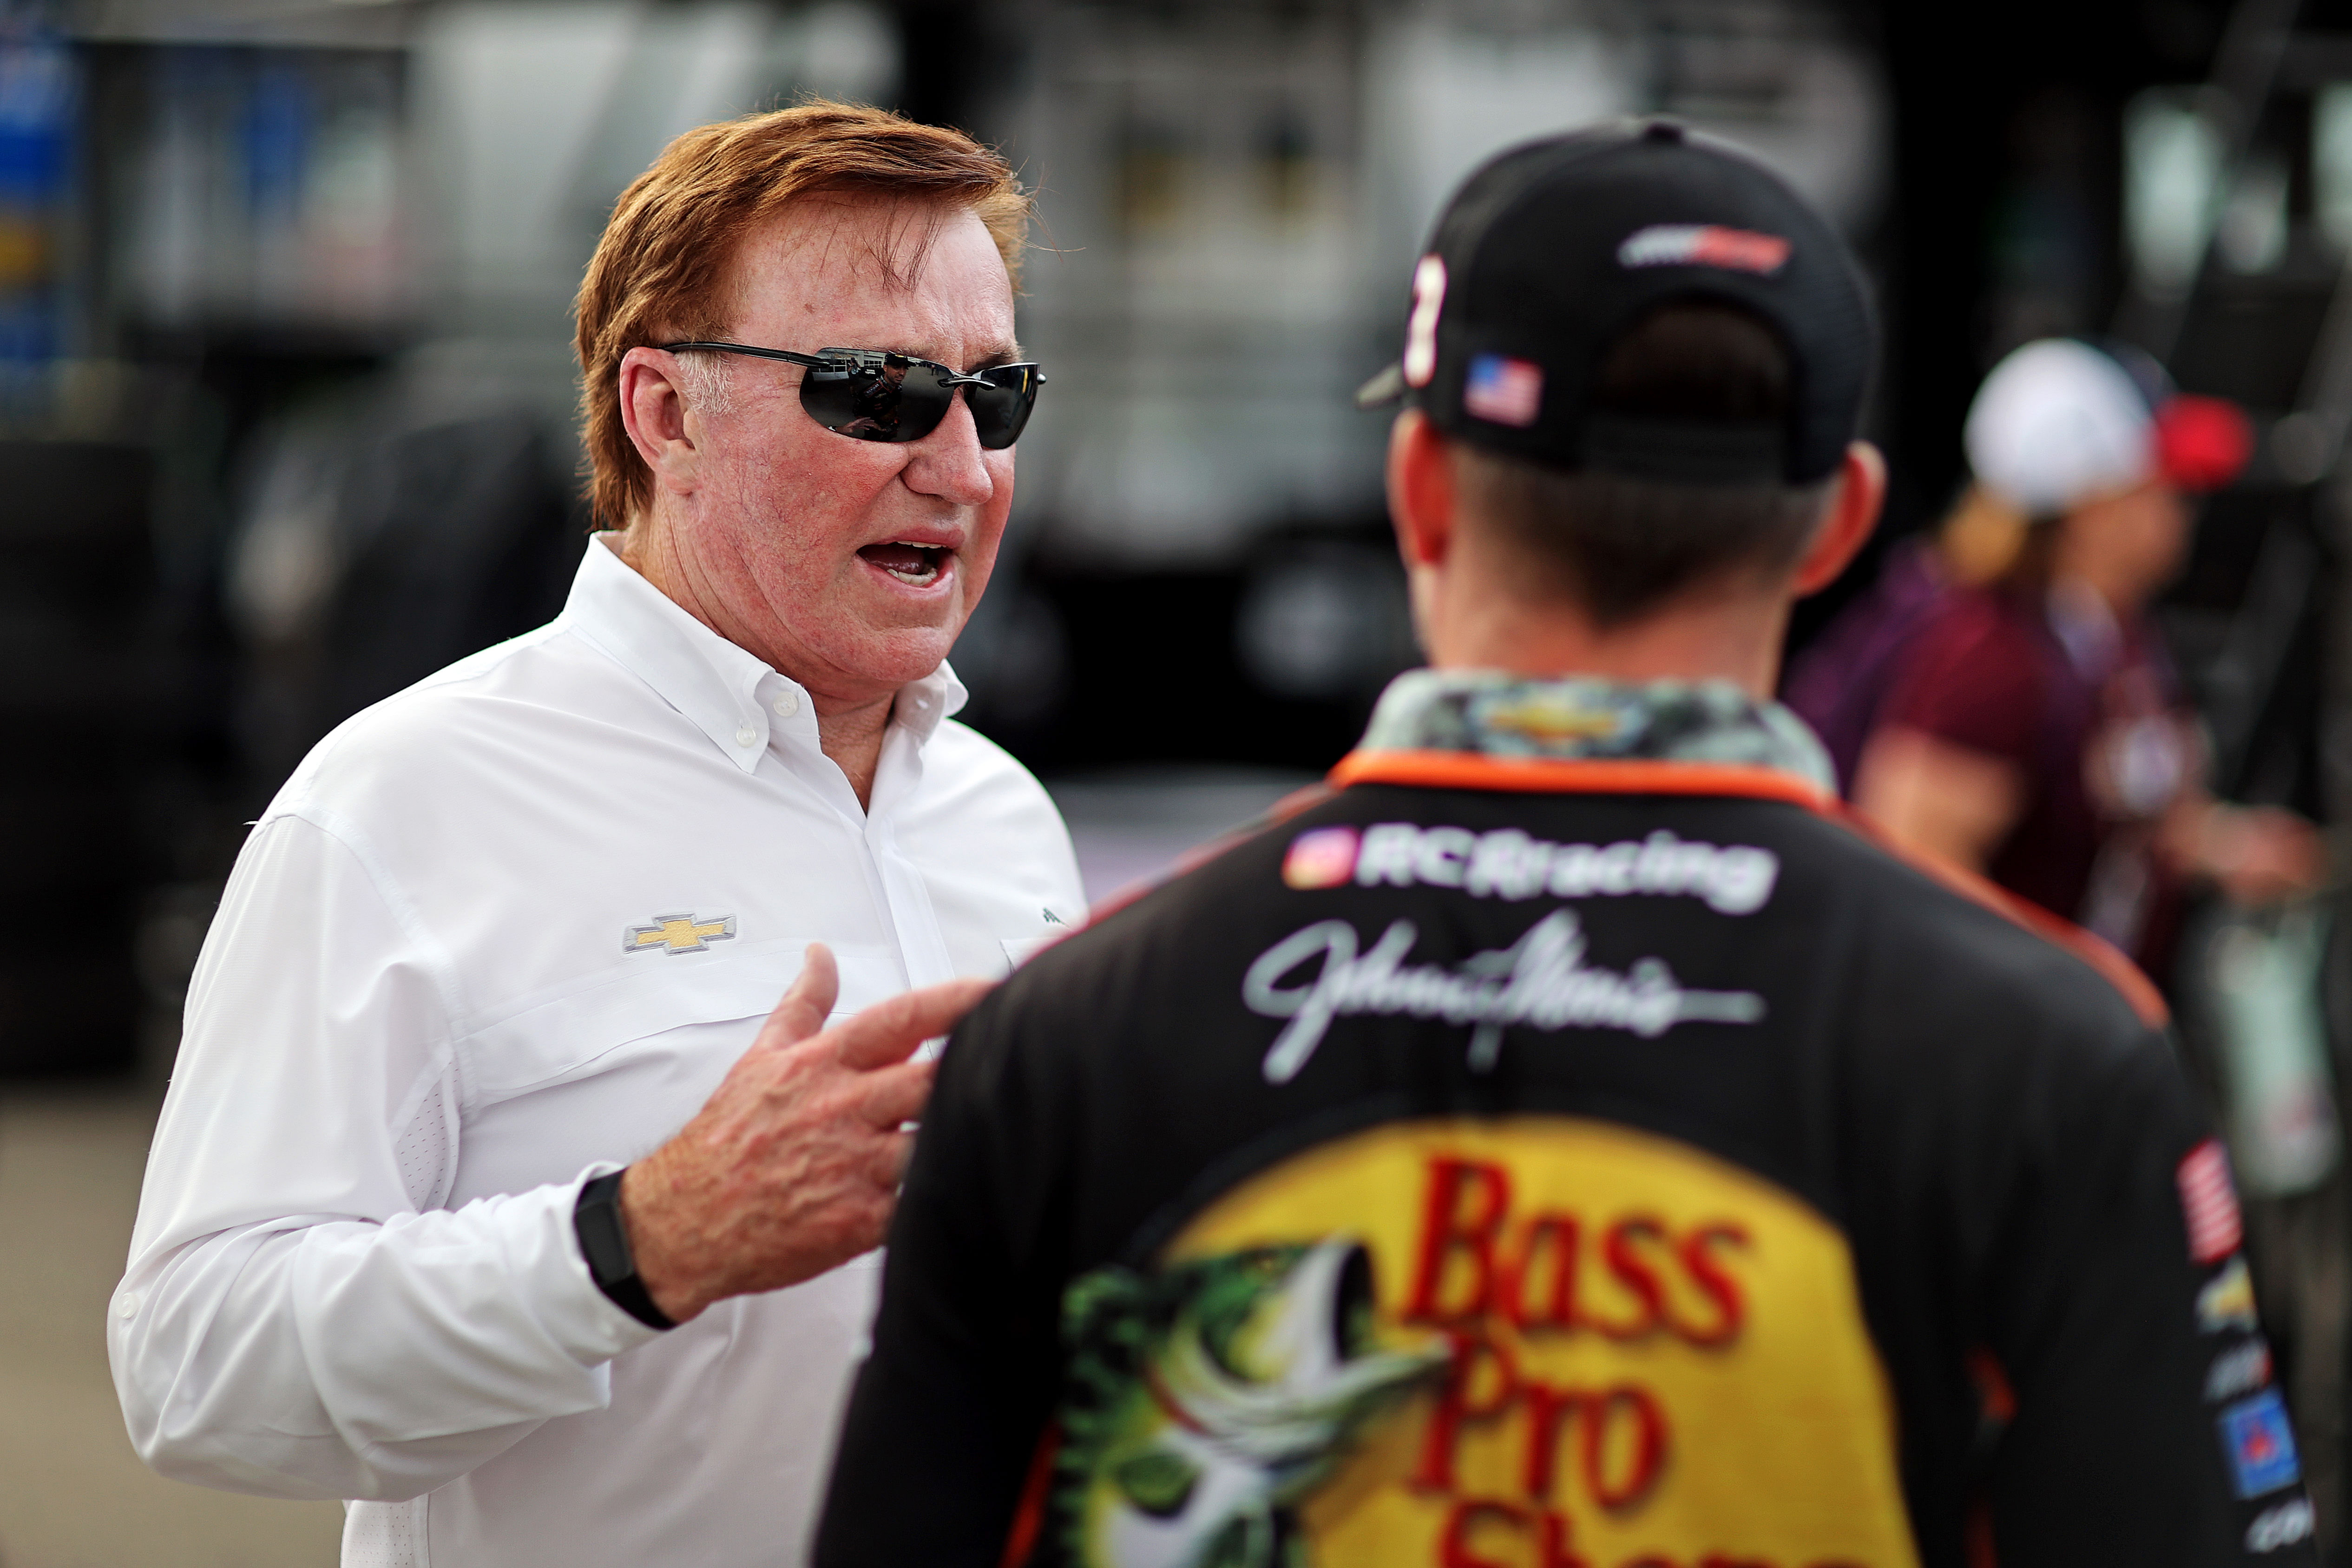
286 420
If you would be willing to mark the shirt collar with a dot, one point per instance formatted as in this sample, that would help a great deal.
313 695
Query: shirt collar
1499 714
731 695
924 705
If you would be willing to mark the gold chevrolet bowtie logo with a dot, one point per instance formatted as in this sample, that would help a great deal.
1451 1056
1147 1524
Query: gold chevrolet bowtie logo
679 933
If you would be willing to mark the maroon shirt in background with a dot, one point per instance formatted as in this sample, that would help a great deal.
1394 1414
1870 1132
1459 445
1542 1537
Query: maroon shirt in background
1840 683
1991 673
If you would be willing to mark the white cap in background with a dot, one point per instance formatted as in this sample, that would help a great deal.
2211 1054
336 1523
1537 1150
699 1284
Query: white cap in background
2059 423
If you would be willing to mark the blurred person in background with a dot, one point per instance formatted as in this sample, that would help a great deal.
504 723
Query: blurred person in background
421 1228
1570 1144
2029 725
1839 682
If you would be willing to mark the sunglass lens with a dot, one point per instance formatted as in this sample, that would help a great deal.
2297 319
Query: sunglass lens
875 397
872 396
1001 408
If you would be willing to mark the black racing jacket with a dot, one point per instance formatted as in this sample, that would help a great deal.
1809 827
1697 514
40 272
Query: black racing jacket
1565 1164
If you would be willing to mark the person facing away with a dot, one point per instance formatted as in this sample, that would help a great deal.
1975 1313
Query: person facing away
2032 729
483 1197
1572 1144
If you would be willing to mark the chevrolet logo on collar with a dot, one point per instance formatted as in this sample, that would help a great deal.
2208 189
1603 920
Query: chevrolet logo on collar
678 934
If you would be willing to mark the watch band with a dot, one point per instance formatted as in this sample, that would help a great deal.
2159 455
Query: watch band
604 1243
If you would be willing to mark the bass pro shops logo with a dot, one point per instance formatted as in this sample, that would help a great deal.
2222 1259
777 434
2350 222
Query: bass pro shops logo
1541 981
1529 1341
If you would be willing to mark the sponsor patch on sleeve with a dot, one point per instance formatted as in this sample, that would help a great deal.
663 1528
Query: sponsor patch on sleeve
2240 1369
2282 1524
2260 1444
2227 1301
1503 391
2208 1203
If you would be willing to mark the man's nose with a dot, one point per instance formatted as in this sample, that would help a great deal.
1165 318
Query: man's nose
948 462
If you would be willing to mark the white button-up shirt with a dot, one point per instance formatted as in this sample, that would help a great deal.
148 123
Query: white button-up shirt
498 934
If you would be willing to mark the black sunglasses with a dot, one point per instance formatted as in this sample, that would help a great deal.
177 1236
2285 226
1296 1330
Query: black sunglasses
873 394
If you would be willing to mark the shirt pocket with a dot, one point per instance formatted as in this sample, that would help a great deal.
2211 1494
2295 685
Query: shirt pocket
574 1029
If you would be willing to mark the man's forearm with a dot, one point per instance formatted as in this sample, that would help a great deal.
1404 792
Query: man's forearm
339 1358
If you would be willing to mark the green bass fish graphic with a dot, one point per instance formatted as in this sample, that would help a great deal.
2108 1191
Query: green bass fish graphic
1209 1399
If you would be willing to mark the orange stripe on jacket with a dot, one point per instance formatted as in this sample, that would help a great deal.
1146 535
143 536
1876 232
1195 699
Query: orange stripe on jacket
1598 776
1029 1517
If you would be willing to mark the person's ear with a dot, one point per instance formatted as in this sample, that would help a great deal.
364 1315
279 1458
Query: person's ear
1421 490
1846 522
654 411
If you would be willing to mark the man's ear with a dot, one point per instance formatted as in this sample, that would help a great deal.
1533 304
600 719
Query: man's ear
1847 521
1420 489
653 408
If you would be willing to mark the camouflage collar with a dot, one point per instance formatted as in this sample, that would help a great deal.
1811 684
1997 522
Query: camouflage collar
1498 713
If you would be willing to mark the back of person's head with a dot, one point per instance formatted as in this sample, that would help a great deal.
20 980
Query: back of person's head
1619 545
662 269
1650 356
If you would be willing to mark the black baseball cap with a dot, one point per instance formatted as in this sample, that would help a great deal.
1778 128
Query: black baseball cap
1552 250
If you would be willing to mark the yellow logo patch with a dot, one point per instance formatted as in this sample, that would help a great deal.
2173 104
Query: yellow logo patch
1638 1355
1552 720
679 933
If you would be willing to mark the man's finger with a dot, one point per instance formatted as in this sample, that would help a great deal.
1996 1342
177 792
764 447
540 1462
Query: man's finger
889 1095
807 1001
889 1031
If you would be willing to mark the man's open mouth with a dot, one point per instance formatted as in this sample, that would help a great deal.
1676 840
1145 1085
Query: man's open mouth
917 566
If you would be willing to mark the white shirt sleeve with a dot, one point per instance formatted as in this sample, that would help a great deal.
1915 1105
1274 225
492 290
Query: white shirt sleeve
300 1317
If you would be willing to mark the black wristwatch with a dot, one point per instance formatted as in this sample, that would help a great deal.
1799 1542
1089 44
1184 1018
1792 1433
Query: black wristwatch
604 1242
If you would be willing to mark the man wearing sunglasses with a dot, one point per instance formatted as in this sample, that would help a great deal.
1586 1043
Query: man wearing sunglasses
491 1194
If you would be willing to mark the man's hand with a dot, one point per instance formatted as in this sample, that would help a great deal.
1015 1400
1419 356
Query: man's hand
2258 854
792 1165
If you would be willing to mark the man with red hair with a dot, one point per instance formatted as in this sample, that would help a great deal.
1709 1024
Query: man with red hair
484 1196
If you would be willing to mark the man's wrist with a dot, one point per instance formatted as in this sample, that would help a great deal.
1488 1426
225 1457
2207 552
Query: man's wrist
604 1240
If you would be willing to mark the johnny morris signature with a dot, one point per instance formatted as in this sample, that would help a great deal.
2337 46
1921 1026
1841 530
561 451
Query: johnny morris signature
1541 980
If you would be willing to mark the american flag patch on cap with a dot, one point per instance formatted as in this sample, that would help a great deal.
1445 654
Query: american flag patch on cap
2209 1202
1503 391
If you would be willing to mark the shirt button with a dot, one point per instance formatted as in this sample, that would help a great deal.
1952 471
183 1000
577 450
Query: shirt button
786 703
127 1308
746 735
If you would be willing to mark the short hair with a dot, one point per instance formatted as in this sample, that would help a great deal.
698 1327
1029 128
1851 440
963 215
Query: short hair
1620 546
661 270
